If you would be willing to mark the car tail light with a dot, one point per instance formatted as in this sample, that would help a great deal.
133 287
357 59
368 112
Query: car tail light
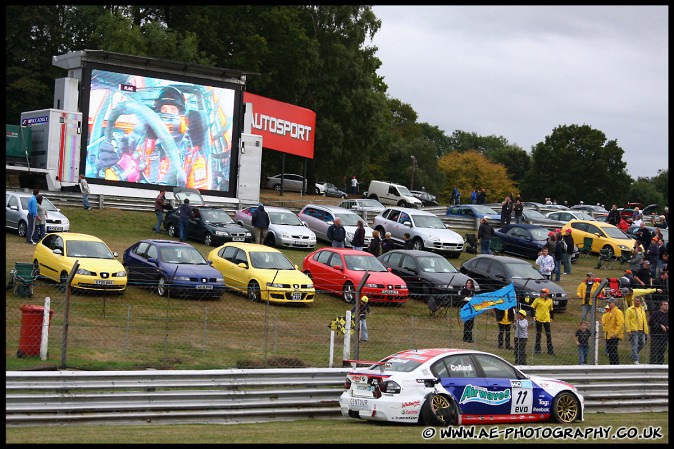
347 384
390 387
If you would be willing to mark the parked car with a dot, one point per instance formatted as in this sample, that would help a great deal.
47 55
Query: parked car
363 205
285 230
291 182
494 272
319 218
426 198
526 240
99 270
262 273
448 387
532 216
16 214
570 214
390 193
598 212
632 232
474 211
208 224
604 236
425 228
427 274
340 271
329 189
171 267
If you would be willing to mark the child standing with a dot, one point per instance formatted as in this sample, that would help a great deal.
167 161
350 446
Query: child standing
582 338
521 335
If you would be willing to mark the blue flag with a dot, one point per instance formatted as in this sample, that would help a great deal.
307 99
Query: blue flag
503 299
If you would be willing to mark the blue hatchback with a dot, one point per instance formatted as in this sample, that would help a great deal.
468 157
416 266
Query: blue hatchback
171 267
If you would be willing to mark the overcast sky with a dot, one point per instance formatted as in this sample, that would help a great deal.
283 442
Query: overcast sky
521 71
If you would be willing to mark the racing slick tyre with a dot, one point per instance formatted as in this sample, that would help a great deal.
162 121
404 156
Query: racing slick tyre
565 408
439 410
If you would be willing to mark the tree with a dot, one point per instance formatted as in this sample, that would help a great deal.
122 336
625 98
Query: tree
576 163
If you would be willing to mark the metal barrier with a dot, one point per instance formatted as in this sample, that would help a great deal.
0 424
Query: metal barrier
260 395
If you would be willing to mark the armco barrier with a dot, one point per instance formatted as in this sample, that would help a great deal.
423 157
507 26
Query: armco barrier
259 395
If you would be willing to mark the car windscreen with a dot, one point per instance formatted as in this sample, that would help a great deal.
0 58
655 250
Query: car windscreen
364 263
615 233
484 210
404 191
584 216
182 255
530 213
523 271
215 216
270 260
350 219
539 233
431 264
370 203
48 205
93 250
284 218
428 221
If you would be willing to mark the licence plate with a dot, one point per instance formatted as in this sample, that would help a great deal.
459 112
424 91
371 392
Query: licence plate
299 243
54 229
389 292
204 287
296 296
103 282
358 404
238 239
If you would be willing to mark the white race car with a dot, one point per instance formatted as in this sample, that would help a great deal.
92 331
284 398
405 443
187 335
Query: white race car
441 387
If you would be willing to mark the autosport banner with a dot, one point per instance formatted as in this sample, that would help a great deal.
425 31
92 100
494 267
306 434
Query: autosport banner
283 127
502 299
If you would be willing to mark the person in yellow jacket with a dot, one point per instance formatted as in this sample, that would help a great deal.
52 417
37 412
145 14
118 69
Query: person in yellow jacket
543 317
585 291
636 326
629 294
613 324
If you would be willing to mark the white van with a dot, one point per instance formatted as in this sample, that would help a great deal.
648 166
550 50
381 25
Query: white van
392 194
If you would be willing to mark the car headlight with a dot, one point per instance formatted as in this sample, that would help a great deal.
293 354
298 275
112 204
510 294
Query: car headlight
310 285
181 278
274 285
222 233
622 247
120 274
83 272
285 235
248 234
371 285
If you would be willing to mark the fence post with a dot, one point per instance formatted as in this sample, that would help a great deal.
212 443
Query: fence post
128 326
205 323
44 341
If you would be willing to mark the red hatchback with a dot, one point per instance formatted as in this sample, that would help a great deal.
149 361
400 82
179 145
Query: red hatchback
340 271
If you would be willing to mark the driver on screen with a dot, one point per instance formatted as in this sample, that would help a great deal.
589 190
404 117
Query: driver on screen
149 162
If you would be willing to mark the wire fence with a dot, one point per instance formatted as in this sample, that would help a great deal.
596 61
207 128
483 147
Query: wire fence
191 330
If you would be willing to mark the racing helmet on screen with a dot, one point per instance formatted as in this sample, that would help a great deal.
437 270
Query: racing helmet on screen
176 123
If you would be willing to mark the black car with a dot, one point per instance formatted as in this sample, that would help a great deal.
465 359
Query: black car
426 274
495 272
208 224
426 198
522 239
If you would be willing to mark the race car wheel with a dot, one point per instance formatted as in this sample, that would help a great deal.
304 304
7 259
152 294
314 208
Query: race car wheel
439 410
349 293
254 293
565 408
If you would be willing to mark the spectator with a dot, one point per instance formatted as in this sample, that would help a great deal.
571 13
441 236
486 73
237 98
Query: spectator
159 205
644 277
41 224
585 291
623 225
613 216
387 244
644 235
568 239
662 284
364 311
582 339
408 241
518 207
545 263
506 210
551 243
336 233
560 250
473 197
32 216
84 188
260 221
636 214
468 291
653 255
613 324
504 319
358 241
184 214
481 196
354 184
456 196
630 294
521 336
659 326
484 235
543 314
375 244
637 258
662 255
636 326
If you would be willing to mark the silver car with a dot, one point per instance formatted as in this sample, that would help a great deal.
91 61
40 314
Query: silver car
286 230
426 230
368 205
319 218
566 215
16 214
291 182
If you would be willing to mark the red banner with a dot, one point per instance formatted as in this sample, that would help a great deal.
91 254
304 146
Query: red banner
283 126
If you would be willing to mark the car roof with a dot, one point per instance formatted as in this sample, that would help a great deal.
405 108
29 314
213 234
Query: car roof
251 247
330 208
346 251
272 208
161 242
415 252
424 355
601 224
524 226
412 211
77 236
504 259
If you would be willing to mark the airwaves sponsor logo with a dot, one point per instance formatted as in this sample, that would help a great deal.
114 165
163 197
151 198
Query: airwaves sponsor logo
484 396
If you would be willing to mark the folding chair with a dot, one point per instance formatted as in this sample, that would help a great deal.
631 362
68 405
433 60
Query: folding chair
614 287
471 243
625 256
496 245
586 247
606 259
23 277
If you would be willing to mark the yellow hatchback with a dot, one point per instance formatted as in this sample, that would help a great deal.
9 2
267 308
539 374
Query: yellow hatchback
603 235
55 256
262 272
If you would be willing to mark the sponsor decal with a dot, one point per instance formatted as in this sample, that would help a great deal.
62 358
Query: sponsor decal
544 403
540 410
35 120
409 412
416 403
460 367
521 384
403 418
484 396
358 378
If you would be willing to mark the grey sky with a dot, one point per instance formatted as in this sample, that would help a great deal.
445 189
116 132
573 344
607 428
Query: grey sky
521 71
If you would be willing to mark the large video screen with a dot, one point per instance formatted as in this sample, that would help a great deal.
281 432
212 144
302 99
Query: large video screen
146 130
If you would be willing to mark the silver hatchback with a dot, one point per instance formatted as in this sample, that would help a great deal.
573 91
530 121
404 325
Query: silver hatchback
319 218
16 214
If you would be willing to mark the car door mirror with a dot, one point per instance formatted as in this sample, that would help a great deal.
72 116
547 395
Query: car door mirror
304 223
115 254
14 207
243 265
500 277
408 224
337 267
58 251
152 260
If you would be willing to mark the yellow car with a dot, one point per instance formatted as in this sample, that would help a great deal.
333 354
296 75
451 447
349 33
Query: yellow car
603 235
55 256
262 272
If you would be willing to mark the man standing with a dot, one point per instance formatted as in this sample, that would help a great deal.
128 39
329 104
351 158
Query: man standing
159 204
484 235
644 235
545 263
613 216
659 326
613 323
506 210
336 233
521 335
473 197
543 317
586 290
184 214
569 251
84 188
637 328
260 221
32 216
354 184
